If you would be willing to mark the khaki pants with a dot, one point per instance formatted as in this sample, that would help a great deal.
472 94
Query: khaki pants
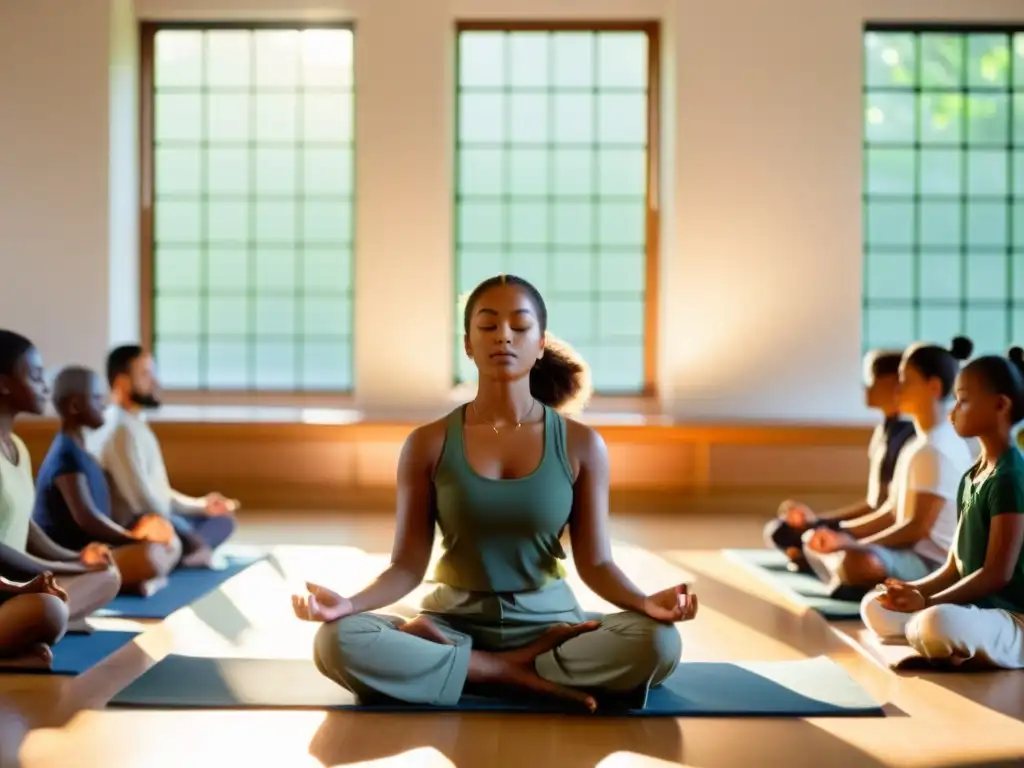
367 654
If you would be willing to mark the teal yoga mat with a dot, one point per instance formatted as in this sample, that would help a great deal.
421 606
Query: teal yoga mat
770 567
809 688
184 587
76 654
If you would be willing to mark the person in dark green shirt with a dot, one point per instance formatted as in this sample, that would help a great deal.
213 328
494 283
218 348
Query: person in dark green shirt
973 607
503 476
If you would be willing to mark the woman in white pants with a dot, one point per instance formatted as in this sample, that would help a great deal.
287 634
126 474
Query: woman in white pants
972 608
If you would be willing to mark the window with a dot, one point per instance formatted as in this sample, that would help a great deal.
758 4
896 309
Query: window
555 152
944 186
247 207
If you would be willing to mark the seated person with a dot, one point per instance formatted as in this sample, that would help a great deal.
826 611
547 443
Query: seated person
881 391
33 618
503 476
73 500
129 452
910 534
972 609
87 575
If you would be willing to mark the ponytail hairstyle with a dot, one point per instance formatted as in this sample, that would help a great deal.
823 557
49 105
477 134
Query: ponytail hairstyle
1003 376
935 362
560 379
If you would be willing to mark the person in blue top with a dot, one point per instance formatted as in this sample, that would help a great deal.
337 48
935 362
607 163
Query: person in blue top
73 498
972 608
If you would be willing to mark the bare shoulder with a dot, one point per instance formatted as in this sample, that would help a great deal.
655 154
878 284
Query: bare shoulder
584 444
423 446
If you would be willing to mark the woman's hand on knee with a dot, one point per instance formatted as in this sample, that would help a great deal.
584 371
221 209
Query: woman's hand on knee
96 556
796 515
154 529
825 541
321 604
671 605
902 597
44 584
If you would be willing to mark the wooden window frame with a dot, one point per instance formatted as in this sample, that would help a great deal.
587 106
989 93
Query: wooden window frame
652 28
915 302
148 31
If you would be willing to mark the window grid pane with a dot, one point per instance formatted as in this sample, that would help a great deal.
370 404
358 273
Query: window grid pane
252 207
552 155
943 190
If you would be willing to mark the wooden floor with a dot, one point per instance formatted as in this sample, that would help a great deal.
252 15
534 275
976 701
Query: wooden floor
933 719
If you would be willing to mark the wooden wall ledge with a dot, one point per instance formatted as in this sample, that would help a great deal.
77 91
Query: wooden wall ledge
246 422
280 458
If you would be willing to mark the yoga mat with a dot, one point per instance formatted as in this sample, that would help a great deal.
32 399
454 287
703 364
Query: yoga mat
184 587
76 654
770 567
811 688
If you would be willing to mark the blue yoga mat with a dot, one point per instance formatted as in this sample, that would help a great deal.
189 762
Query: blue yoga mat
184 587
810 688
770 567
76 654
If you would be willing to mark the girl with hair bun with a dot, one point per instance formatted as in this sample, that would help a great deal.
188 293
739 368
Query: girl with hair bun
972 609
909 536
503 476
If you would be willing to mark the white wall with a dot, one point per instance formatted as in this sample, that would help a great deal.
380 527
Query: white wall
55 174
761 263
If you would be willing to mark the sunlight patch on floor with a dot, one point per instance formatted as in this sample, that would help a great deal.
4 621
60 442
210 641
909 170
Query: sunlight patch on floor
424 757
634 760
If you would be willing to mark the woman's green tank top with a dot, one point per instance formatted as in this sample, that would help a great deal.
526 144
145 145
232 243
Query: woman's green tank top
502 535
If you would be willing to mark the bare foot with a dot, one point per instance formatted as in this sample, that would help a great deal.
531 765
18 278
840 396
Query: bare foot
422 626
80 627
37 656
43 652
146 588
516 668
201 558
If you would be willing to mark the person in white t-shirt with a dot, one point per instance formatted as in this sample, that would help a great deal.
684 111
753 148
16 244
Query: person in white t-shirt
909 536
128 451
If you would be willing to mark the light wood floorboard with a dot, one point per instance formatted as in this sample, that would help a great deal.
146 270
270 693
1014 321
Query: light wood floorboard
933 719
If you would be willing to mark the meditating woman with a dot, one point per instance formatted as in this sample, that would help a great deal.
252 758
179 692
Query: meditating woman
73 498
972 608
88 576
910 535
503 476
33 618
881 392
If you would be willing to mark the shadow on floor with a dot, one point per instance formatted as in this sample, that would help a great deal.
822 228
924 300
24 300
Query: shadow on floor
484 739
1000 691
806 632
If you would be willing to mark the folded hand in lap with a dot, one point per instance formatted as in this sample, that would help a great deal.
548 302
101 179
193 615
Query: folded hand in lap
825 541
797 515
155 529
96 556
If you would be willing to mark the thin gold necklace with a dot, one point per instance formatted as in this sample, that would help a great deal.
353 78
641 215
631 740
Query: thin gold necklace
493 426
